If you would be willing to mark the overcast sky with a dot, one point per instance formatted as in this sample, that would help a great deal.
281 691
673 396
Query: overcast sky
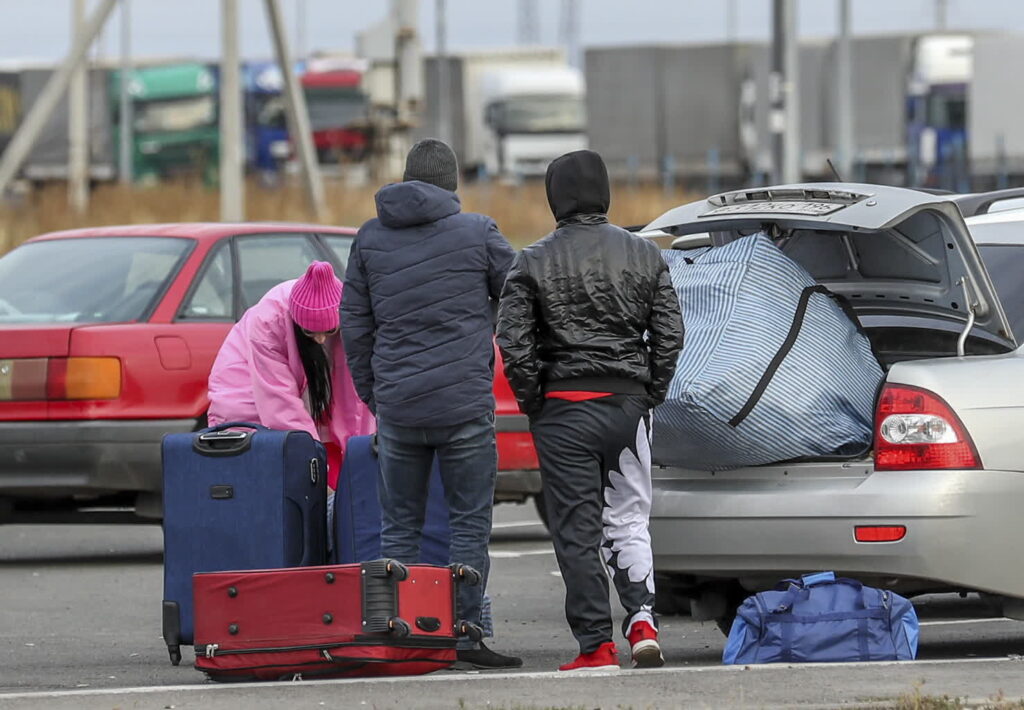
39 29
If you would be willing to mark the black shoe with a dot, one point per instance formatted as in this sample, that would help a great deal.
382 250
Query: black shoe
484 658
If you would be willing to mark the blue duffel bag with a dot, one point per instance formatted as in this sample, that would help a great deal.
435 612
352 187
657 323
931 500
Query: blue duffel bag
822 619
775 367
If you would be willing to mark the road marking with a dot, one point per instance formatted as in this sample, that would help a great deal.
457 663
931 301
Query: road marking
496 675
511 555
527 524
966 621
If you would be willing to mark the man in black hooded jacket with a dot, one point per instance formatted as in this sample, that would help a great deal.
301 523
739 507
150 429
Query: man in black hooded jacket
589 328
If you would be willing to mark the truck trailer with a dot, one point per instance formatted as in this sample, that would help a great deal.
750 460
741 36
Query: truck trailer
668 111
175 125
49 156
509 112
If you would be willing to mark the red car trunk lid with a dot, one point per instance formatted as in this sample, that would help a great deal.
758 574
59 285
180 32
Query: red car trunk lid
35 341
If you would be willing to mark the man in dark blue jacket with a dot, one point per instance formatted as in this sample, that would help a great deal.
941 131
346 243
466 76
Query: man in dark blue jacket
417 321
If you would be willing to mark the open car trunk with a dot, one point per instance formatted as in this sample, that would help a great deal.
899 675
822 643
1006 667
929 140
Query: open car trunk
904 260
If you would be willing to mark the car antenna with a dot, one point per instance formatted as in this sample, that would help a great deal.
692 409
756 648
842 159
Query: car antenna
834 171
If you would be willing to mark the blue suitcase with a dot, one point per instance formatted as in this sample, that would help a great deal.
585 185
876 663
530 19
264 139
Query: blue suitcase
251 498
357 512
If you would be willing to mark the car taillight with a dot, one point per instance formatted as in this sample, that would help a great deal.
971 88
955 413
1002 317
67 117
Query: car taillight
916 429
56 378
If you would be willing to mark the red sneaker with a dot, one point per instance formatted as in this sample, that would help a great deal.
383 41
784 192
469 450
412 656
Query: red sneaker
643 643
605 658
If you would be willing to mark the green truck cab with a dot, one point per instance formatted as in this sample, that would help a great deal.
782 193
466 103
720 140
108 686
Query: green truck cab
175 120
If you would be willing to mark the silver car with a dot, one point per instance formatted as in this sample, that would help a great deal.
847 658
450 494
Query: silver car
936 506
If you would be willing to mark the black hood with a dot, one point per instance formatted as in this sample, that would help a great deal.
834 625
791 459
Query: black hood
577 183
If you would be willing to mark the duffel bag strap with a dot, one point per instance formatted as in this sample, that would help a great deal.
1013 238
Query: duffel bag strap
800 589
780 354
810 580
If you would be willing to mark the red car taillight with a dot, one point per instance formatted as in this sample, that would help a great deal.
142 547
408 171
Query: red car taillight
916 429
55 378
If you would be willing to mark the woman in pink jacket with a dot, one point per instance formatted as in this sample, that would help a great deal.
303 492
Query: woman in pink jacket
283 366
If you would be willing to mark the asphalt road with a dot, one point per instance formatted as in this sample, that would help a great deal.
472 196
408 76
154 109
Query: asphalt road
80 627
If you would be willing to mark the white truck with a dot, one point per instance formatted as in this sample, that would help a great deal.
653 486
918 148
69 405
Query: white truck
509 112
532 117
995 105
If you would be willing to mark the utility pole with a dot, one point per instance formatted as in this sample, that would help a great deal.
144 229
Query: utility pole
784 117
126 113
296 112
844 89
941 14
30 128
442 68
78 123
528 30
408 80
300 29
407 56
232 185
731 21
570 30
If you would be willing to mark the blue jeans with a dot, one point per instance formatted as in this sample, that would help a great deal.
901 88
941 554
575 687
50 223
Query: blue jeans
467 455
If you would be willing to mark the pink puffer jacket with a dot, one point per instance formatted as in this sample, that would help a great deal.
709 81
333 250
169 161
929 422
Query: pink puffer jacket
258 377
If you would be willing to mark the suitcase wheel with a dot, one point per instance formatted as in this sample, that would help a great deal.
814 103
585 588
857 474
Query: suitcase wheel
383 569
175 653
397 570
399 627
466 574
468 628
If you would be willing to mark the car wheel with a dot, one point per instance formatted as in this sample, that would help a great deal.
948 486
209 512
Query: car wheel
542 509
735 596
724 623
672 595
668 603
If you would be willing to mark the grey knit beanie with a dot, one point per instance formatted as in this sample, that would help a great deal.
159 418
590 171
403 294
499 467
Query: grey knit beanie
432 161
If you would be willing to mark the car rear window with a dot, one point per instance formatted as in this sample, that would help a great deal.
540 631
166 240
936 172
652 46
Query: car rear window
1005 264
87 280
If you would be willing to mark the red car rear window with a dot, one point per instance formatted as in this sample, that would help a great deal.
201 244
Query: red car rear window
87 280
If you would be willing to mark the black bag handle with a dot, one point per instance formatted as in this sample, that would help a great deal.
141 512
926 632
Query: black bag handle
218 441
790 341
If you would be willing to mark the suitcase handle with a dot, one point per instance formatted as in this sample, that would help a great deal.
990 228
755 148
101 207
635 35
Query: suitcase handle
318 479
234 425
218 441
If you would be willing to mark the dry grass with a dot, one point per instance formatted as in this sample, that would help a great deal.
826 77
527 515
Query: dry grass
521 210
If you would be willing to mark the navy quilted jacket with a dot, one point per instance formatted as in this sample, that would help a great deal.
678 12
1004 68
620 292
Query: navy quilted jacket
416 314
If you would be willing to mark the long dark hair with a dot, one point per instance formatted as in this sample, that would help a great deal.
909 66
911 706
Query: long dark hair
318 374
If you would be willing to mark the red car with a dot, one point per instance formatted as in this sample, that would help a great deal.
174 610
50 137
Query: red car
107 337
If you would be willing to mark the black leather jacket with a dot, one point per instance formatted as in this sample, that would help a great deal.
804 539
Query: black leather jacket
590 307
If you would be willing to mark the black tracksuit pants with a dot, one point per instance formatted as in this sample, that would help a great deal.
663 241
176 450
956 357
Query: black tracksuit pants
595 462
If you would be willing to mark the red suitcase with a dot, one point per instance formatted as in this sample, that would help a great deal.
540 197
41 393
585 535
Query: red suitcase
369 619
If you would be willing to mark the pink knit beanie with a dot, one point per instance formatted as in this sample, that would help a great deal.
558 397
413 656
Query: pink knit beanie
316 298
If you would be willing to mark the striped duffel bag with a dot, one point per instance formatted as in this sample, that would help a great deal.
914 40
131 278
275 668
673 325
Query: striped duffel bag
775 367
